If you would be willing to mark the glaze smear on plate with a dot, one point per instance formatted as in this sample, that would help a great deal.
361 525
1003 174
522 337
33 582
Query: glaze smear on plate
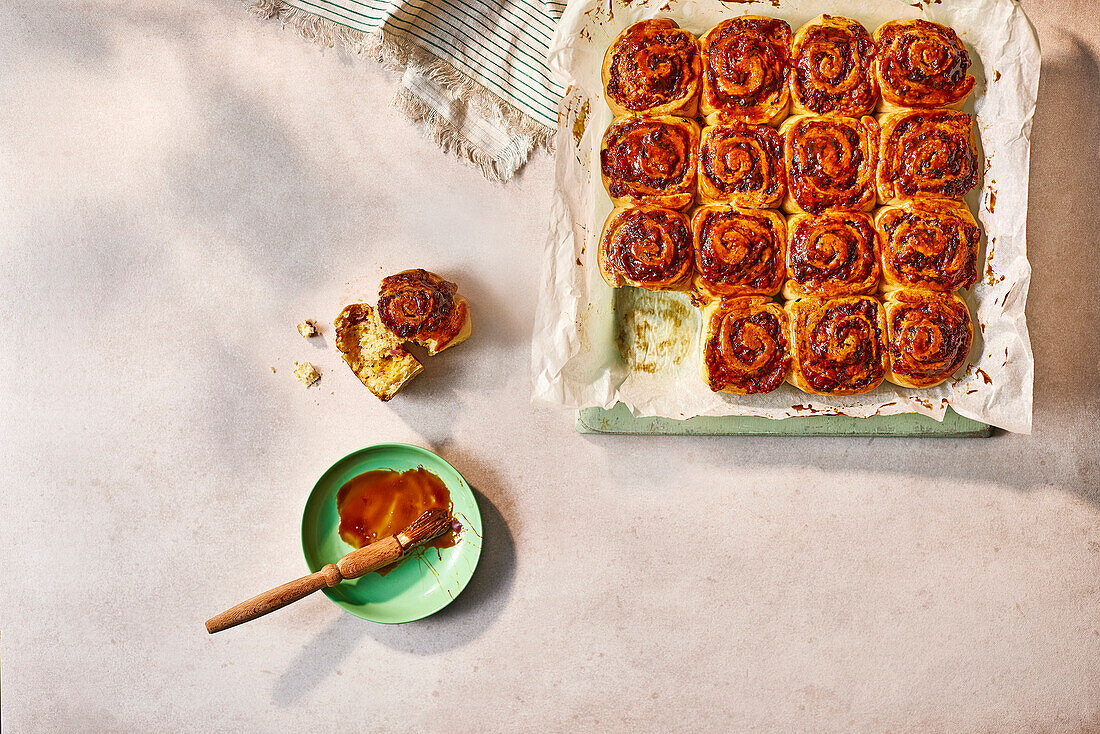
381 503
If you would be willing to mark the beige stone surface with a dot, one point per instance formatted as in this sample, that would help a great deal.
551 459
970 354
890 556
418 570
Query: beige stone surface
197 180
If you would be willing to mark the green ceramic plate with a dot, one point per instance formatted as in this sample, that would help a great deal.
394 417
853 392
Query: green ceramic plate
423 583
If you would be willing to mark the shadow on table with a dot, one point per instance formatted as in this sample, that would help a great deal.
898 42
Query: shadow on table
464 620
495 353
1063 222
475 609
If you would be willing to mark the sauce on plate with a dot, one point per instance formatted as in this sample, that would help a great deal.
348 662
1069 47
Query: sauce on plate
383 502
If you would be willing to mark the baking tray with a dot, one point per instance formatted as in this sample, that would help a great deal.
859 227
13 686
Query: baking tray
573 359
618 420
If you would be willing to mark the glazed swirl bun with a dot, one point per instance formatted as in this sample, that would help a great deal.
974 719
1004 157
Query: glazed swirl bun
838 345
929 336
738 252
744 345
831 254
650 160
930 244
920 64
421 307
654 68
742 164
647 247
830 163
832 61
926 152
745 71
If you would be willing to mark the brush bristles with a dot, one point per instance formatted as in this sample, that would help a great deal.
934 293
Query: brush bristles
429 525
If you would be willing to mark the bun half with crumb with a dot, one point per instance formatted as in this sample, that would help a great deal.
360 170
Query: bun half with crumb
374 354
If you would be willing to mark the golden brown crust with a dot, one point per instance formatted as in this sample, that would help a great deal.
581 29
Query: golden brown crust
830 163
920 64
653 68
926 153
832 68
838 345
745 71
930 244
744 345
930 335
742 164
419 306
738 252
831 254
647 247
650 160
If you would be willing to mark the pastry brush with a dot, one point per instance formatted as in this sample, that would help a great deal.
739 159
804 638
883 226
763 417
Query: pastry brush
431 524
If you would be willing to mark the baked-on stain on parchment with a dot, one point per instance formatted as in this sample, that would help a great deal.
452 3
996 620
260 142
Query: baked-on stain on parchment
979 372
650 334
991 277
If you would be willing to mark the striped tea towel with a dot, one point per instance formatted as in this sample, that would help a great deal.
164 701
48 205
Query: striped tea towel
474 71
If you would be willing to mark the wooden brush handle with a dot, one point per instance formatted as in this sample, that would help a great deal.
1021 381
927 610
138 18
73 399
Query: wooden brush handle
273 599
369 558
353 565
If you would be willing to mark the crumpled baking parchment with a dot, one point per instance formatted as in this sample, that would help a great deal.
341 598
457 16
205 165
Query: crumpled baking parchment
594 345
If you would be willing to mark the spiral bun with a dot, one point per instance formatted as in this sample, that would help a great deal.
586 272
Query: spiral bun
745 71
744 345
738 252
930 335
926 153
831 254
650 160
830 163
838 345
832 61
647 247
920 64
653 67
421 307
930 244
742 164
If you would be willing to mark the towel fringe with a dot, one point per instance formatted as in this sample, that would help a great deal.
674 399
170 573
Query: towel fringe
398 55
450 139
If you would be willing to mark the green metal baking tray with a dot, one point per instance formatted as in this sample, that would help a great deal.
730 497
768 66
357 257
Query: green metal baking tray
619 420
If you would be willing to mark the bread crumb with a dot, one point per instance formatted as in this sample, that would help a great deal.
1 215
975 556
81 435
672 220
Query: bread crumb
307 373
307 328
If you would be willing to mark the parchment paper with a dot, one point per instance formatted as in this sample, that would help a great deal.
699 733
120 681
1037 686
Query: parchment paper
594 345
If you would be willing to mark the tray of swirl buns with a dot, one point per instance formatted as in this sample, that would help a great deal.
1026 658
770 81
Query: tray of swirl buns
805 190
